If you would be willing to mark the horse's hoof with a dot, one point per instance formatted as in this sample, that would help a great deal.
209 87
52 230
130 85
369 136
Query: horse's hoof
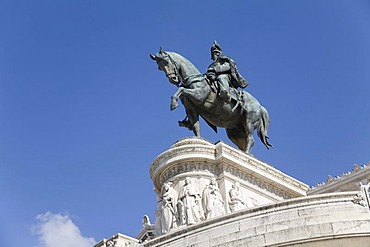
173 106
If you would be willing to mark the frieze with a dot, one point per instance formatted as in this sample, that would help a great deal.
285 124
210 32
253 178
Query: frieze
187 156
184 150
264 167
256 181
188 167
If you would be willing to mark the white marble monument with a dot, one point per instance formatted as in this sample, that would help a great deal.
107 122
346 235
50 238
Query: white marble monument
215 195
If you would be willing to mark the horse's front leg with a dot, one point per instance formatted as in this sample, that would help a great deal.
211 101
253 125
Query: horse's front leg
199 95
175 98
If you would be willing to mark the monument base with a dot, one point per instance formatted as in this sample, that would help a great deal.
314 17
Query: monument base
215 195
200 160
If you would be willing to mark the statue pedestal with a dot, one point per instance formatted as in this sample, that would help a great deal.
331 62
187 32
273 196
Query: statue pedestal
201 161
194 177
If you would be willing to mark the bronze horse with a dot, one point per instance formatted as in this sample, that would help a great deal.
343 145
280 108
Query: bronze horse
240 116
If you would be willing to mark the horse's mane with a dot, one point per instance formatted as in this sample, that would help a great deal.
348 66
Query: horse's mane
186 64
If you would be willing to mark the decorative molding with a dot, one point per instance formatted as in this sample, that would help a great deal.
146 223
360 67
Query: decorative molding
359 199
365 194
183 167
335 205
261 166
118 240
197 151
205 167
194 150
256 182
345 178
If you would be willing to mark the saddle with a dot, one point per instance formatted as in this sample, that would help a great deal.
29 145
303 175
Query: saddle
235 94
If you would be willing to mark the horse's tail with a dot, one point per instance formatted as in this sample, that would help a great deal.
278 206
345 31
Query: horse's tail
263 127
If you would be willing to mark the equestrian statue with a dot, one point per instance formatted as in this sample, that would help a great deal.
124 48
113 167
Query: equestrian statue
216 97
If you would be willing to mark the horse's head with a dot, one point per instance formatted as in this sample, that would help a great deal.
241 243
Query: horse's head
166 63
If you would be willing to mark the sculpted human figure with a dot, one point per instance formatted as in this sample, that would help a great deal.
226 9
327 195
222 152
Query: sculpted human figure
146 220
169 208
240 116
236 200
159 215
213 204
190 197
223 71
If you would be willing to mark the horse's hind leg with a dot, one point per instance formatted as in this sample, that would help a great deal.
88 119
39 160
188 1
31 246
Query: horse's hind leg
249 134
238 137
194 123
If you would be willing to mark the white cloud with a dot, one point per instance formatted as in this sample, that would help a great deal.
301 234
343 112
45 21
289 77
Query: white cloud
58 230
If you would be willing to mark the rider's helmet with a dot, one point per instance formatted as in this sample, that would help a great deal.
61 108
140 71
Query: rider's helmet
215 49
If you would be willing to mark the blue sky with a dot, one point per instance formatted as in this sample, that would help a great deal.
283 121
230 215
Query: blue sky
84 111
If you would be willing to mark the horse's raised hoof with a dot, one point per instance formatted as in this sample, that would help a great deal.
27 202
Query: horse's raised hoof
174 105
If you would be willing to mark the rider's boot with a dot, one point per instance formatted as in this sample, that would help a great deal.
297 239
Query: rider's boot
224 92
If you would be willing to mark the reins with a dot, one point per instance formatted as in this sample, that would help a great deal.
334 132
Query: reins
177 68
187 81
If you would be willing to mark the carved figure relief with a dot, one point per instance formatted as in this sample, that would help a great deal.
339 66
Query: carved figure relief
146 220
158 215
189 203
359 199
213 204
169 208
236 200
363 197
166 216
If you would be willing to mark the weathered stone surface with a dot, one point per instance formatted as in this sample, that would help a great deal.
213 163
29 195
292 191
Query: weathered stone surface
240 181
278 214
202 158
326 220
348 181
119 240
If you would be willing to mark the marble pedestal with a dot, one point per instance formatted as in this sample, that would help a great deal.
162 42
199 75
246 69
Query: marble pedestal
201 161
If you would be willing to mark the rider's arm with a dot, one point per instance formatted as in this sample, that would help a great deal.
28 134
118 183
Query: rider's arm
222 68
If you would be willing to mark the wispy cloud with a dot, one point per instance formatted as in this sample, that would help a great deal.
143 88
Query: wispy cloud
58 230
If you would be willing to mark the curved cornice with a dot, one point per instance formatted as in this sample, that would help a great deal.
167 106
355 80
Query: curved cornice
197 151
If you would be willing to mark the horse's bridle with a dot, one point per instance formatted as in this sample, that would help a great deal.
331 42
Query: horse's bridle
176 70
182 81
